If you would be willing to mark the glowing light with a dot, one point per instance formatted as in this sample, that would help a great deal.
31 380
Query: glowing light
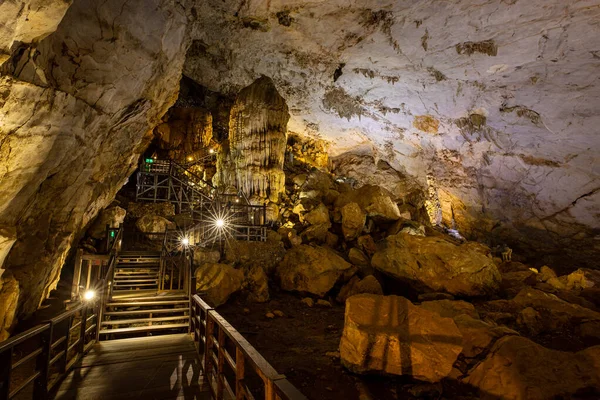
220 223
185 241
237 200
89 295
190 158
211 151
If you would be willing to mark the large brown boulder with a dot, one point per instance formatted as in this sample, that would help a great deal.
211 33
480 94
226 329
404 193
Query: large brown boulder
555 312
256 282
355 285
113 217
519 369
163 209
373 200
264 254
434 264
319 215
353 221
154 224
390 335
311 269
216 282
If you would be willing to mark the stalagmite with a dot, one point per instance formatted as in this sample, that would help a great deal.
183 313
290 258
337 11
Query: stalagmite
257 140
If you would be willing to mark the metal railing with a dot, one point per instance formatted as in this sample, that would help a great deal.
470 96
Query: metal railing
176 261
229 359
33 362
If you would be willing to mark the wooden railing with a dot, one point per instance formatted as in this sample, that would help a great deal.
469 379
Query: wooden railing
229 360
33 362
176 262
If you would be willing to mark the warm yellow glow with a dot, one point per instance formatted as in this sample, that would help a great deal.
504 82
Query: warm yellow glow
220 223
89 295
190 158
185 241
211 151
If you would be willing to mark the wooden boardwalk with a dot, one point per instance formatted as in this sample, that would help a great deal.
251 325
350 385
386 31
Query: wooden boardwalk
149 368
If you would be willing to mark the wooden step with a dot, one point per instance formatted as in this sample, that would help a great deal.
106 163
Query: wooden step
140 320
143 328
141 280
154 311
146 303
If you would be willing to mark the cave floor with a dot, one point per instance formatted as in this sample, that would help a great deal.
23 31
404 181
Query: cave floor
303 346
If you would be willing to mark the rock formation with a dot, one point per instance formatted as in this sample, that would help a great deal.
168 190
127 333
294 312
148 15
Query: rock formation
252 160
388 334
493 99
81 86
435 264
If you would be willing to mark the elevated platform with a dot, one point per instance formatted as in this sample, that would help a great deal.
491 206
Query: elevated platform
161 367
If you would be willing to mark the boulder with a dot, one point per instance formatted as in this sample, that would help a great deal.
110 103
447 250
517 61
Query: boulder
113 217
311 269
358 258
390 335
435 296
162 209
256 282
582 279
450 308
316 233
154 224
479 336
353 221
216 282
355 286
331 240
319 215
518 369
264 254
530 321
513 282
374 200
555 312
367 244
203 255
434 264
9 297
546 273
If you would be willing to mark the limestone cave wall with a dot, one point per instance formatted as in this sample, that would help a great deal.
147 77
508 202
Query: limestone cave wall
81 88
496 100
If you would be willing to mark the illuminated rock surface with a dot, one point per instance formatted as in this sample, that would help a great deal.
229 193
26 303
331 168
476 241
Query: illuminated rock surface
437 265
216 282
389 334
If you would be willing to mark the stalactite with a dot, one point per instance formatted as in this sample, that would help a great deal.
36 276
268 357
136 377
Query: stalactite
257 141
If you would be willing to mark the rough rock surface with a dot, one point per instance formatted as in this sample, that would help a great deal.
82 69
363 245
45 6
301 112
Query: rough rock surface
109 216
434 264
519 369
78 99
310 269
9 297
493 99
216 282
154 224
353 221
450 308
375 201
355 285
267 254
388 334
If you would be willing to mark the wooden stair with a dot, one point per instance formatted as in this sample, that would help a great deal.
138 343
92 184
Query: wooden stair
136 306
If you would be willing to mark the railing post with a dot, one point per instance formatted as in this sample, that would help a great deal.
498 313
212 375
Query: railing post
221 362
40 390
210 325
76 275
65 358
5 369
239 374
83 327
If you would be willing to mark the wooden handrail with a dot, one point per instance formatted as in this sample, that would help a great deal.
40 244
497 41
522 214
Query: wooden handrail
49 351
204 321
